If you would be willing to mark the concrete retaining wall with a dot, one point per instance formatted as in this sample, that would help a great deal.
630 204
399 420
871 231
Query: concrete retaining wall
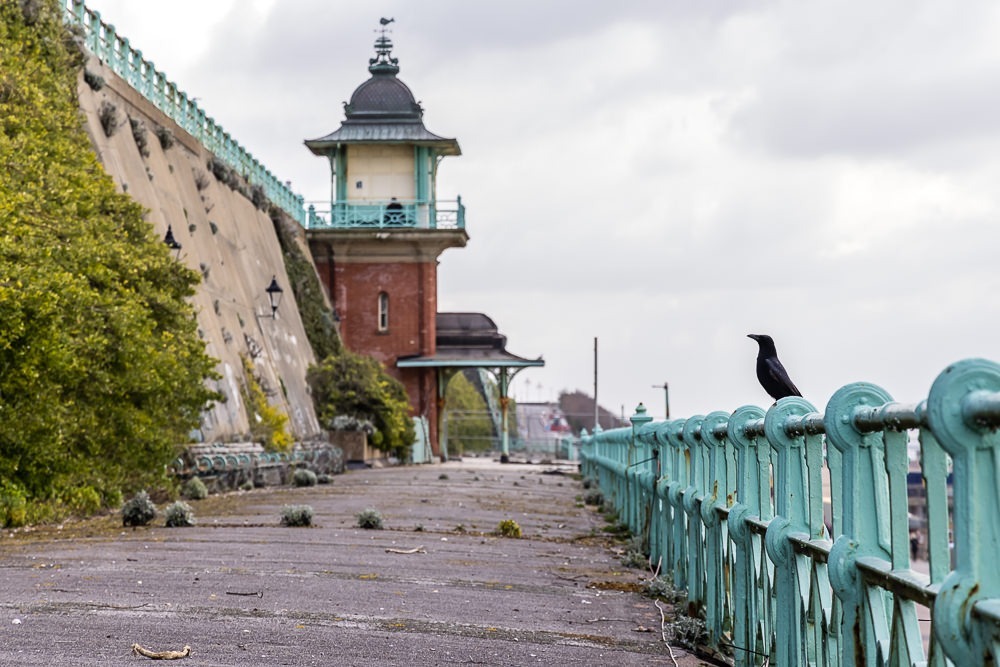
230 242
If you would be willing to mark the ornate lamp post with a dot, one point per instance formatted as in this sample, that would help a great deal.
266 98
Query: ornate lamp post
274 292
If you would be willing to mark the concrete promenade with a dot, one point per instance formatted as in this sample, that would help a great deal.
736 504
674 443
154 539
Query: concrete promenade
240 589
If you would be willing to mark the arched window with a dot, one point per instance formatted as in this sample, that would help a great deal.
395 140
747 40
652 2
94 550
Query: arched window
383 311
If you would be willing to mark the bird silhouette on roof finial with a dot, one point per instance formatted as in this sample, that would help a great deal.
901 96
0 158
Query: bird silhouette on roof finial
385 21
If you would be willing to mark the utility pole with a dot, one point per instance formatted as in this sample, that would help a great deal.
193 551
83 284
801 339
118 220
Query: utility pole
596 414
666 398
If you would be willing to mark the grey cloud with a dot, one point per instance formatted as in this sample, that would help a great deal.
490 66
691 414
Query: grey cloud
670 176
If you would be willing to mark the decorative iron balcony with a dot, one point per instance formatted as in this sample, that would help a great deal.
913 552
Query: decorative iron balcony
393 214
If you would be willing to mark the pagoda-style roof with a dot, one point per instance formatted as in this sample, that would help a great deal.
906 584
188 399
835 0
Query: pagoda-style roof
383 110
468 340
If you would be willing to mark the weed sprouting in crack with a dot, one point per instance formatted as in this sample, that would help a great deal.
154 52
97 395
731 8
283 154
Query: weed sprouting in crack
370 519
296 516
179 515
139 510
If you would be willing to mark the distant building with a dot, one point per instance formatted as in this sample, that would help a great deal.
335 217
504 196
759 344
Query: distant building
542 428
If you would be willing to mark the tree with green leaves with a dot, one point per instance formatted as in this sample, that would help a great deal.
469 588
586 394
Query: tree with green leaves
356 386
470 428
102 372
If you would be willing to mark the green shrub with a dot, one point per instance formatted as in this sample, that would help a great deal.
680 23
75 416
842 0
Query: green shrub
304 477
13 507
296 516
95 81
658 587
165 136
82 500
98 295
370 519
509 528
269 422
200 180
358 386
259 197
179 515
139 135
223 173
324 479
635 559
138 511
108 115
194 489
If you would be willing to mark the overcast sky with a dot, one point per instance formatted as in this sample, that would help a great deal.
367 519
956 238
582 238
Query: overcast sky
667 176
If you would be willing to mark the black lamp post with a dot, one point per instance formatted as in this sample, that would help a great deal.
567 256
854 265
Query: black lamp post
274 295
171 241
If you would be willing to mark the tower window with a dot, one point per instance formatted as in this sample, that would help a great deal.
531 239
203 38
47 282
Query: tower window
383 311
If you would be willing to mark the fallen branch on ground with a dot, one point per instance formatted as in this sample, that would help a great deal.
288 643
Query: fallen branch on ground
161 655
259 594
414 550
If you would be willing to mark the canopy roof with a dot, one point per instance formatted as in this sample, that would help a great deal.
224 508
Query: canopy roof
468 340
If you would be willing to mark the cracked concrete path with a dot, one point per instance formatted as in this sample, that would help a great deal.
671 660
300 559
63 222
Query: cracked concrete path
240 589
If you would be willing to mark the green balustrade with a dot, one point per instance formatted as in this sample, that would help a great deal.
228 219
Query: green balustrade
386 214
115 51
789 529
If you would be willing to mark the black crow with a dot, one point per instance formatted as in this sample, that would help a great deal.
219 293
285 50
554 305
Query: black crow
772 375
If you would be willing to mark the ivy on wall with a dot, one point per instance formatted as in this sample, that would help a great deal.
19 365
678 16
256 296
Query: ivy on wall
267 423
316 317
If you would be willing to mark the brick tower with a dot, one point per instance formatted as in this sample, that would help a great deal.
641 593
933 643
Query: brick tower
377 246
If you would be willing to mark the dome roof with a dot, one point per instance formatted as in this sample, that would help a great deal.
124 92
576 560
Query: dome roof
383 96
382 109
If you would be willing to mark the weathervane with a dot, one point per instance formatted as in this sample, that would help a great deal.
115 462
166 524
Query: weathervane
383 48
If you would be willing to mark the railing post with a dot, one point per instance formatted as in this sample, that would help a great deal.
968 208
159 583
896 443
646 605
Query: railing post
791 510
751 583
866 521
636 464
723 487
677 539
586 455
622 446
661 521
975 450
693 495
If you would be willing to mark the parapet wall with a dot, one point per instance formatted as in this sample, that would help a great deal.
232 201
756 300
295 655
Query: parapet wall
226 238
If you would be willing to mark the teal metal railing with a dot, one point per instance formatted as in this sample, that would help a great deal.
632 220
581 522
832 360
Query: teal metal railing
387 214
115 51
732 508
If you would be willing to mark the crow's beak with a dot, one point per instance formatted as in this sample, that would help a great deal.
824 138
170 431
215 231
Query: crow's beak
754 336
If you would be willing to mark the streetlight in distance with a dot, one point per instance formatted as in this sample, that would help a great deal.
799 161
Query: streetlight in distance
666 398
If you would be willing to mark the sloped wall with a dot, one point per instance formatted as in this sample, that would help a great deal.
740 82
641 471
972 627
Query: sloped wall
229 241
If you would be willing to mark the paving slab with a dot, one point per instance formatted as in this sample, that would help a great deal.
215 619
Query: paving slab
240 589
